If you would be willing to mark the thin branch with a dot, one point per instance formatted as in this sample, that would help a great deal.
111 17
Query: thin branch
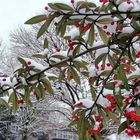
59 63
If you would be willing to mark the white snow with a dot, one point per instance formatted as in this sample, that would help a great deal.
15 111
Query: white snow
73 33
127 30
34 63
125 6
5 98
86 102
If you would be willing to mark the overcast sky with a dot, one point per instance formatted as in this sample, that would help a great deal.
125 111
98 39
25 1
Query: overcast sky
13 13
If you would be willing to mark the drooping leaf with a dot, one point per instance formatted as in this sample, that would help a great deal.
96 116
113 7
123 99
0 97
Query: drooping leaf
122 127
47 86
75 75
14 100
105 20
45 43
122 76
93 93
22 61
36 19
63 6
103 35
91 36
42 90
42 30
99 58
26 95
110 86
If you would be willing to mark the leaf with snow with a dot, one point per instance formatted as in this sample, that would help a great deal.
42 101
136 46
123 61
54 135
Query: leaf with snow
36 19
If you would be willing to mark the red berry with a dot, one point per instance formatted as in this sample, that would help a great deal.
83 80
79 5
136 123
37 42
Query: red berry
46 8
71 46
97 67
128 1
69 41
78 105
108 64
120 28
112 16
112 23
115 82
55 23
21 101
136 90
108 33
4 79
102 67
123 60
105 27
138 54
34 93
77 25
29 62
104 1
130 17
58 49
72 1
120 86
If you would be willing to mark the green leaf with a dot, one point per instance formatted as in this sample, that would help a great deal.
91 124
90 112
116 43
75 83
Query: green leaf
138 125
85 73
72 123
79 64
93 93
73 21
63 29
42 30
75 75
38 56
122 76
42 90
76 50
14 100
62 75
46 43
36 19
22 61
63 6
119 100
5 103
105 20
26 95
38 92
98 137
85 4
110 86
122 127
111 60
112 116
59 56
91 36
131 54
88 136
53 6
103 35
99 58
47 86
60 29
